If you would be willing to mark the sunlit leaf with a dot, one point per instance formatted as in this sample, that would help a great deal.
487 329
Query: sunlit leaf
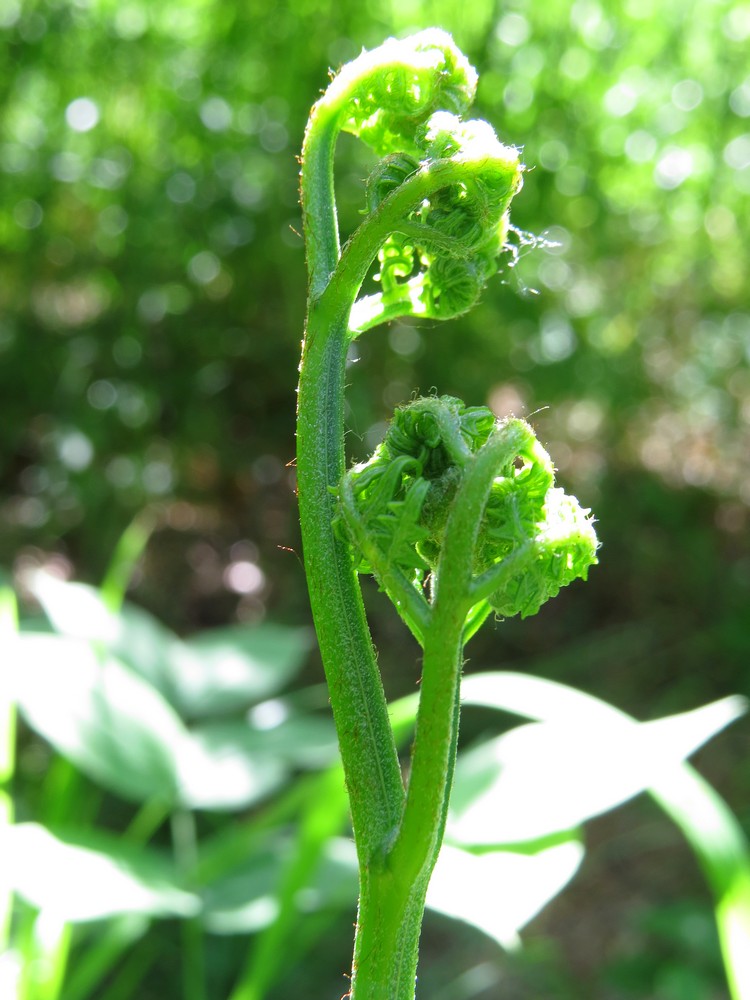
547 777
501 891
303 741
231 764
245 902
225 669
534 697
99 714
89 876
75 609
133 635
705 819
226 766
217 671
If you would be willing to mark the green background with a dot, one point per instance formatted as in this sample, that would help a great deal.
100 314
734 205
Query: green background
152 293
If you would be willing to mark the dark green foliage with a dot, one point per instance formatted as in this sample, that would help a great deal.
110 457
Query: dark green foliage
152 293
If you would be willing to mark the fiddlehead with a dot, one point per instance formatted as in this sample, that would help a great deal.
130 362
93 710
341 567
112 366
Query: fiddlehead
383 96
393 90
533 538
442 189
445 245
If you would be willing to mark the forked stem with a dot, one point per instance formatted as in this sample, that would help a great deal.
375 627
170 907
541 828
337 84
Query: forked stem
439 204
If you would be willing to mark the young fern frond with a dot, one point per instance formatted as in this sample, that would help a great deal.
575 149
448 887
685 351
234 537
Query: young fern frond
391 91
384 97
533 540
446 245
455 514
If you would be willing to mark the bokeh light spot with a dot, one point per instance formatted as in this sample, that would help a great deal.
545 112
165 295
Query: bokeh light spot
204 267
244 577
82 114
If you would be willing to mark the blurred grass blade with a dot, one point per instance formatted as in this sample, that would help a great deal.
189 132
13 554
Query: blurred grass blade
128 551
8 631
126 983
722 850
322 818
95 963
46 954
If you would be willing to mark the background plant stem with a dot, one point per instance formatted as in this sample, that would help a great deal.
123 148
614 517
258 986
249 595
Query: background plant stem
184 843
8 627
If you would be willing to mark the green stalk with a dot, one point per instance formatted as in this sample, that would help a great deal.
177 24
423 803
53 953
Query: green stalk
318 198
8 629
721 847
419 836
368 750
366 742
185 848
392 910
393 91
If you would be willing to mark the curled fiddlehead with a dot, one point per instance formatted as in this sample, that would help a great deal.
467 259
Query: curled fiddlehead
385 97
437 202
394 89
396 508
445 245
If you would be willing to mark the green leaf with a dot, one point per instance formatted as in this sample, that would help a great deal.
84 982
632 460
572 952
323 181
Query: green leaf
226 767
133 635
534 697
99 714
90 876
227 669
307 742
245 901
543 778
217 671
232 764
705 819
501 891
74 609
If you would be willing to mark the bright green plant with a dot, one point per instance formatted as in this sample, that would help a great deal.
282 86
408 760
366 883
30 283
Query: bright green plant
185 782
450 496
456 514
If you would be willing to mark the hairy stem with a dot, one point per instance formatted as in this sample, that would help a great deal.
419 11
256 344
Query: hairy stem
367 747
392 909
318 198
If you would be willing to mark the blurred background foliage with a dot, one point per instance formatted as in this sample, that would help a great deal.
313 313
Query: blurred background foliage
152 289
